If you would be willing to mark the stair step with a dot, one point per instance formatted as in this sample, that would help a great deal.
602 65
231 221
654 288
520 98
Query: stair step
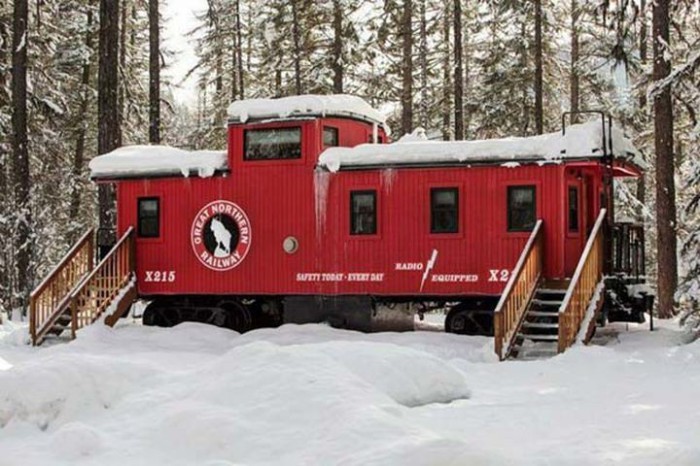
538 337
542 302
544 313
539 325
551 291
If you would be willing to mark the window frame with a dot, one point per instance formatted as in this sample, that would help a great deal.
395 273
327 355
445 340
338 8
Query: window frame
323 136
575 189
509 189
275 128
353 223
457 225
139 229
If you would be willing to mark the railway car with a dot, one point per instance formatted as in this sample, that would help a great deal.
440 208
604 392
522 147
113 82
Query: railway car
312 215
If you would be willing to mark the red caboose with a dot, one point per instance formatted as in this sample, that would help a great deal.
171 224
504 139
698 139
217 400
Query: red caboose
311 216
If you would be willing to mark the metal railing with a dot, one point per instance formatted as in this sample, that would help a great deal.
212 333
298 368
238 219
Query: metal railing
628 249
521 286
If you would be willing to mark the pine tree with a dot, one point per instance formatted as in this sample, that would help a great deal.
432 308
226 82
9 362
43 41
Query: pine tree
109 134
20 155
665 183
154 72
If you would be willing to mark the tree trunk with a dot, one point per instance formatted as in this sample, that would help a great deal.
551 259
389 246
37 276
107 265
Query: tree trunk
123 28
407 68
423 117
20 155
79 156
296 33
574 78
108 131
665 187
446 75
643 56
239 51
459 72
154 72
539 110
337 55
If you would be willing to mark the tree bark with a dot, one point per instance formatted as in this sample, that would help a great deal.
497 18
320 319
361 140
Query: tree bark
459 72
154 72
239 51
296 33
407 68
539 110
337 55
123 28
665 187
446 75
643 56
108 131
79 155
20 155
574 79
643 45
423 57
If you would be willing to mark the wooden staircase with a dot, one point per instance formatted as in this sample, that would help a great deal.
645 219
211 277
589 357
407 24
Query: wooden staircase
537 318
78 292
539 332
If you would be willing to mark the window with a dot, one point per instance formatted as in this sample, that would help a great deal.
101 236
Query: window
272 144
573 208
149 217
330 136
444 210
521 208
363 213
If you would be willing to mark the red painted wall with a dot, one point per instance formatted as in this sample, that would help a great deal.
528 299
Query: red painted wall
284 198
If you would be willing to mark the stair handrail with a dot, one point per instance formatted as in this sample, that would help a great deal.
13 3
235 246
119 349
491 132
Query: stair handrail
100 287
510 310
47 299
588 274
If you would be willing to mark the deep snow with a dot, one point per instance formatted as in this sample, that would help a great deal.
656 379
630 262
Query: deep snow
310 394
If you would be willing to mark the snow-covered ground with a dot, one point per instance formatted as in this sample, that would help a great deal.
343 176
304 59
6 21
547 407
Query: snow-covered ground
308 395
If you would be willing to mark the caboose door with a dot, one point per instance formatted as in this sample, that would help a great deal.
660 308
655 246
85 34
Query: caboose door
576 228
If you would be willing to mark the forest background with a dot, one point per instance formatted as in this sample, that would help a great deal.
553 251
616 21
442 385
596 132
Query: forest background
82 77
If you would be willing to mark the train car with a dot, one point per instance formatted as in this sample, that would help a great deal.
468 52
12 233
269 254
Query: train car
312 215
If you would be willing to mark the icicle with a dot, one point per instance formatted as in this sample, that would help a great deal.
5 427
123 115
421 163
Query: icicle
322 179
388 177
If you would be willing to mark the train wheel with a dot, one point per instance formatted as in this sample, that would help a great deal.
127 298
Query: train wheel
469 322
159 314
237 316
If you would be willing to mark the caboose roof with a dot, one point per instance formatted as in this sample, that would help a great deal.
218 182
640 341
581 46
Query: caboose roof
580 142
153 161
337 105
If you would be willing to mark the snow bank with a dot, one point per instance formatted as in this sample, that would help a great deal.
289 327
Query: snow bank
194 394
134 161
582 140
304 105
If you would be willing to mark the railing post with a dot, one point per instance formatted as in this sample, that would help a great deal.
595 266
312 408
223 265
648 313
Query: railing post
32 319
73 316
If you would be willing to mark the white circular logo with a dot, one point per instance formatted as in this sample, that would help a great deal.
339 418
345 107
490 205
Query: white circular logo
221 235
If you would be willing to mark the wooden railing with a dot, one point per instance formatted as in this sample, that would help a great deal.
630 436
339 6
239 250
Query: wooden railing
588 274
51 298
99 289
521 286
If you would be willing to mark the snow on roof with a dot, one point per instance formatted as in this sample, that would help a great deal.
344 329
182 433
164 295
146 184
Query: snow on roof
305 105
135 161
581 141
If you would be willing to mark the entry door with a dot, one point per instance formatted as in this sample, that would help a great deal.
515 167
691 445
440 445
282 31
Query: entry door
575 222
